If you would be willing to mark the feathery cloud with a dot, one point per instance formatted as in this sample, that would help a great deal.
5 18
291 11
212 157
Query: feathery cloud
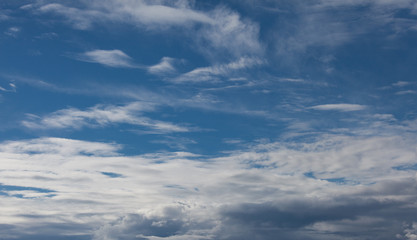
101 116
213 72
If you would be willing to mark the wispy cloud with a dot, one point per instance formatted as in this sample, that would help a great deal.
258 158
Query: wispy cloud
165 66
406 92
328 24
111 58
343 107
293 80
229 33
217 31
214 72
134 12
101 116
12 31
4 15
401 84
11 88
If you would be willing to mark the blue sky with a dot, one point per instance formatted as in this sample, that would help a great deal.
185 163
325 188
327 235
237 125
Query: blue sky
208 119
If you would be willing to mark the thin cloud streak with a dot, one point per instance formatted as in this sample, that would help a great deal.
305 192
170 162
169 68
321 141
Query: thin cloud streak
211 73
343 107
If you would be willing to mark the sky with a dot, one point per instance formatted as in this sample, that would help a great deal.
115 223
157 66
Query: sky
167 120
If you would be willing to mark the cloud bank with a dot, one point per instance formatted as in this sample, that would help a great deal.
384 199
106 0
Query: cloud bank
333 188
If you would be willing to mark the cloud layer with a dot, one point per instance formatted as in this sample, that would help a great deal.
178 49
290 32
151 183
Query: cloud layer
307 190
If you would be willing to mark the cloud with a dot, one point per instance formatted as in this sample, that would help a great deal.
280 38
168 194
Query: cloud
326 25
12 31
229 33
165 66
11 88
406 92
212 73
101 116
401 84
411 232
258 192
343 107
215 32
133 12
111 58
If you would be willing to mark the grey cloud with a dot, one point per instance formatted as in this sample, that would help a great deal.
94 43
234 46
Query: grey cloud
172 222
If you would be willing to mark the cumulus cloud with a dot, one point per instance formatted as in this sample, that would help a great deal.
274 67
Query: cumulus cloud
410 233
101 116
343 107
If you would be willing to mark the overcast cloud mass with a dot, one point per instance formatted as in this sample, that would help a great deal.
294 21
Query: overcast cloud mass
234 120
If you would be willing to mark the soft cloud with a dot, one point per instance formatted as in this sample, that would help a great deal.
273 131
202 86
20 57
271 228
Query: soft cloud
111 58
406 92
103 115
214 72
411 232
4 16
343 107
296 190
11 88
401 84
132 12
329 24
218 30
12 31
230 33
165 66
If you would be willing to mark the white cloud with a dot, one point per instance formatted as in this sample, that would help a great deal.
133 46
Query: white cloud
343 107
165 66
411 232
111 58
401 84
230 33
212 73
10 88
217 31
293 80
128 11
190 196
103 115
406 92
12 31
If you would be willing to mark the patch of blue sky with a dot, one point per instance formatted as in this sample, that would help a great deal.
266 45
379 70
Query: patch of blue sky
406 167
21 188
112 174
